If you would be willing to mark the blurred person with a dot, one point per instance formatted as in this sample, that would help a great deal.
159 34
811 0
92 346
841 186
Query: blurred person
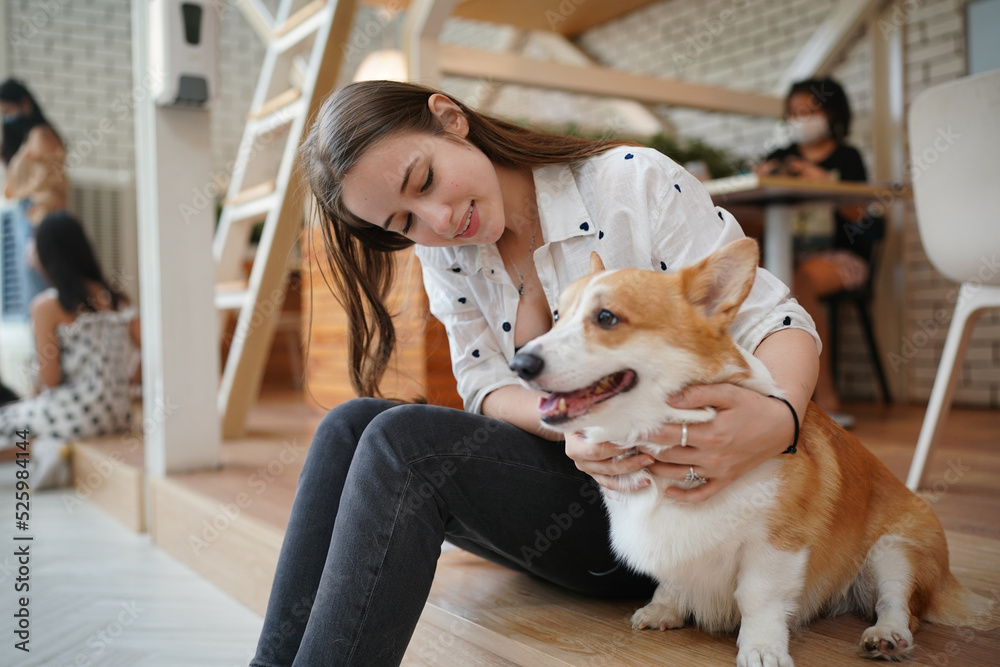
818 120
86 335
34 158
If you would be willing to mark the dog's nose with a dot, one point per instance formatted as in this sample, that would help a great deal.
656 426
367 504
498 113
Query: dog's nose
527 365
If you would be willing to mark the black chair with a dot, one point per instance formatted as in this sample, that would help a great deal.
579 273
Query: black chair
862 300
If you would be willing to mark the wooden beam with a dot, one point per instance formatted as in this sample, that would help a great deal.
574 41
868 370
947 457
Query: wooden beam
566 17
636 118
603 81
424 23
829 40
258 17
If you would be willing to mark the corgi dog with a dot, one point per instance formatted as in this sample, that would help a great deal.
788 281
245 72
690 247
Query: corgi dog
822 531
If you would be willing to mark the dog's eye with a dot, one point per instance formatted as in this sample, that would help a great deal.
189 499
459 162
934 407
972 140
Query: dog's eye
607 319
555 315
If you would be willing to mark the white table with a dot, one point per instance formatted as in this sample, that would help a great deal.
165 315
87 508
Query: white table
778 195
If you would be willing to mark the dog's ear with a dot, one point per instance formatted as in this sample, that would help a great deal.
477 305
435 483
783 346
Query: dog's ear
596 265
719 283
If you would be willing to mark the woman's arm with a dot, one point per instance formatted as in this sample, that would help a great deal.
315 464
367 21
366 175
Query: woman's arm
749 428
45 316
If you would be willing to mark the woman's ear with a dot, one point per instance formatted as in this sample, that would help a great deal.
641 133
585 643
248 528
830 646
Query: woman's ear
451 116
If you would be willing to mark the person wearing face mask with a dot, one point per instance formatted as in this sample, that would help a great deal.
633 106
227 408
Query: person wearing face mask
817 122
34 157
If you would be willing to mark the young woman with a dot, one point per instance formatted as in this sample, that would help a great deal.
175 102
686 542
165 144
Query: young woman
34 157
504 218
819 118
85 338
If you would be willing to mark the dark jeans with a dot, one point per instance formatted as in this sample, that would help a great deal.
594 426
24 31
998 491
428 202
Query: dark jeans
382 486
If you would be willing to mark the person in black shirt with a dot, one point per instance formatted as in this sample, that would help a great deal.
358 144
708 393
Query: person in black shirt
818 118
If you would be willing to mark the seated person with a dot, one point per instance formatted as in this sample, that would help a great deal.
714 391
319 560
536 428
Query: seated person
819 119
86 337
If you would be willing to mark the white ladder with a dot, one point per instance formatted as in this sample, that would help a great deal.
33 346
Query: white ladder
300 67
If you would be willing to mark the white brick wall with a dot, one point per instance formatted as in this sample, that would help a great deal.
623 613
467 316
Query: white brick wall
76 57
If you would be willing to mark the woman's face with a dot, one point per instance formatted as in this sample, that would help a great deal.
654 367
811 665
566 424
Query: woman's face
437 190
13 110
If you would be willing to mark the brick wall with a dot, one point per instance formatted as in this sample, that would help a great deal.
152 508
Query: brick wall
76 57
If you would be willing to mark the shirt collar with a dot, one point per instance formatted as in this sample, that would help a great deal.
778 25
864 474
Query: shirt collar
560 205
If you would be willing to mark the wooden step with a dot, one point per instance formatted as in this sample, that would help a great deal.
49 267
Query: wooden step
217 538
110 472
299 17
277 102
511 618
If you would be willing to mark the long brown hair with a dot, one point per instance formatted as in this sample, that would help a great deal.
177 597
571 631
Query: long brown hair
351 121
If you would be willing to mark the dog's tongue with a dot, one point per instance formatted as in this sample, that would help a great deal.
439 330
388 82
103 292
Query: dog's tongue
559 407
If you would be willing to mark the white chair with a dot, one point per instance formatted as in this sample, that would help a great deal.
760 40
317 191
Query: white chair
955 157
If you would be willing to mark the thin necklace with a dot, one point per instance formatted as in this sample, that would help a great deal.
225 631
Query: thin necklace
520 277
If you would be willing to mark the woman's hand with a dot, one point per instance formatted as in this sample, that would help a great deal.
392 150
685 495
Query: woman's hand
600 461
749 428
799 168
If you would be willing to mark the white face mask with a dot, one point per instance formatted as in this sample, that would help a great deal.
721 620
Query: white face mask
808 129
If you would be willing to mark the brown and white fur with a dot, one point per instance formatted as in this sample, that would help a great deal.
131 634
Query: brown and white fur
826 530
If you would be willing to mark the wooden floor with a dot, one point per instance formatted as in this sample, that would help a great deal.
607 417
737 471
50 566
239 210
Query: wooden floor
480 614
102 595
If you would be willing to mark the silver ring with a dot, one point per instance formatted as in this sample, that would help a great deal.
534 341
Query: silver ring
684 434
692 476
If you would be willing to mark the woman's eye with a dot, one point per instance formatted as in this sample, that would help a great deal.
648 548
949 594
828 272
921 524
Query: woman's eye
409 223
430 179
607 319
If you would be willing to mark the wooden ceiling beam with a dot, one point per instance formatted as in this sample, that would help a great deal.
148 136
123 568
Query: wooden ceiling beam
602 81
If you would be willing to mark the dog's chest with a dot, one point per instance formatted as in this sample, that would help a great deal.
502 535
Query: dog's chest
656 536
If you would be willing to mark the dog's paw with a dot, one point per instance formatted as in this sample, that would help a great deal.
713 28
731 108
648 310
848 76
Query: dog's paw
658 617
888 643
759 655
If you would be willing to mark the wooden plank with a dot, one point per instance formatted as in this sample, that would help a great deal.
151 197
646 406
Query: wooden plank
604 81
251 193
109 472
277 102
566 17
299 17
828 42
234 550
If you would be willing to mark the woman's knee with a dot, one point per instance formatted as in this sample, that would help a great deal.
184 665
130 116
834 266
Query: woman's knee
416 431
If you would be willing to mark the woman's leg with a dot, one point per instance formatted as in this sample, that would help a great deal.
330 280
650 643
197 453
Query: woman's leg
310 526
419 474
815 278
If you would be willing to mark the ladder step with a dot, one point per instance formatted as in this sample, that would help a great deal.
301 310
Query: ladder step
302 28
276 103
258 191
231 295
269 122
299 17
252 210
